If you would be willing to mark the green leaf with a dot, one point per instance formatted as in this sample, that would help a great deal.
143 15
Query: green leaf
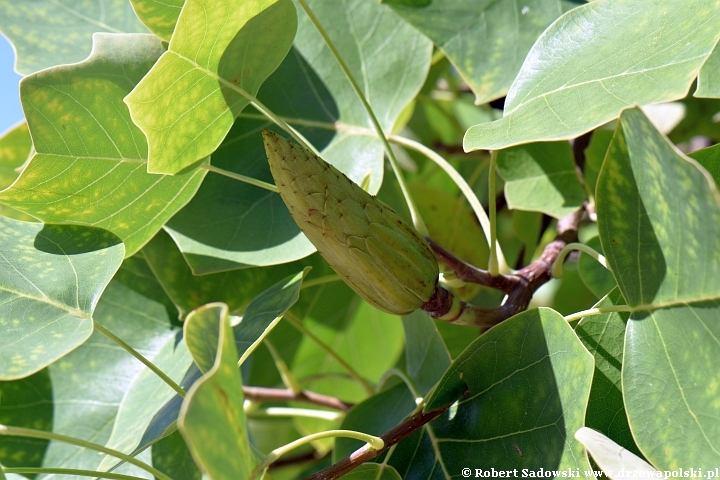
267 307
89 383
215 63
212 419
201 333
373 471
527 382
172 457
374 416
598 279
26 403
488 66
236 288
15 147
426 357
160 16
663 245
604 336
89 168
709 158
146 397
595 155
597 52
355 331
51 278
541 177
387 56
709 76
47 32
658 218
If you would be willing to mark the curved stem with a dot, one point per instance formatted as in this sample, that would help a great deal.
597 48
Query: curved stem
294 412
598 311
140 358
30 433
493 269
557 268
71 471
320 281
242 178
398 373
295 322
460 182
375 443
416 218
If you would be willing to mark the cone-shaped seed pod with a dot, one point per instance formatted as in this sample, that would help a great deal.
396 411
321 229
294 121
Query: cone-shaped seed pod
377 254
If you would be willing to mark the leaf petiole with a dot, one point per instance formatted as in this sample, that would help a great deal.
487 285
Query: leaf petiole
557 268
375 443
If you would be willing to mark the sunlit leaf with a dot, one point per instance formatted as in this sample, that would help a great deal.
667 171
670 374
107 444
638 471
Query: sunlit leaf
49 32
658 218
709 158
598 59
612 458
89 383
229 225
160 16
709 76
90 164
189 100
15 146
51 278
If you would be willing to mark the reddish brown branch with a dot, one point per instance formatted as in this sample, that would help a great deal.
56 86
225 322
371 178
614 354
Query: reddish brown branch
263 394
519 286
392 437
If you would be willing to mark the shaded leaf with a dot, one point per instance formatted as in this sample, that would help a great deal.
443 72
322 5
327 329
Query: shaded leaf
51 278
212 419
236 288
355 331
595 155
172 457
604 337
90 164
160 16
373 471
201 333
490 65
89 383
663 246
426 357
47 32
374 416
15 146
522 389
267 307
598 279
188 101
26 403
541 177
709 158
602 51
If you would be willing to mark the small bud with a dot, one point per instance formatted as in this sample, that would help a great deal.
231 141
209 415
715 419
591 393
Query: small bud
378 255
